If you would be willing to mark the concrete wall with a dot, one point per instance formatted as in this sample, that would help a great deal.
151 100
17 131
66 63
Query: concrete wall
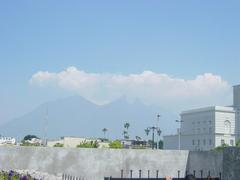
94 164
205 161
231 165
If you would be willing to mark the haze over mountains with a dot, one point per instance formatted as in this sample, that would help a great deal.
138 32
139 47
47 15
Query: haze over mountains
75 116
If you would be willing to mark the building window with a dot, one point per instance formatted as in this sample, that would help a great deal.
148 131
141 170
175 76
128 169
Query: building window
231 142
204 142
210 122
222 142
210 130
193 142
204 130
198 142
199 131
210 142
227 127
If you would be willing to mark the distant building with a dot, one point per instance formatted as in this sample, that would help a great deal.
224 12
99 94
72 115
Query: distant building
7 141
134 144
36 141
72 142
206 128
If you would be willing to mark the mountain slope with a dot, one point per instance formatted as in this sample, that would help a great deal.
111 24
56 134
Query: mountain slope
75 116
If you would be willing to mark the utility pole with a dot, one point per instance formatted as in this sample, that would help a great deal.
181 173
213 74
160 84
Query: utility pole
179 134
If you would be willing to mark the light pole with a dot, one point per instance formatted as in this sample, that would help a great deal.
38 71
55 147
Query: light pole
158 118
179 134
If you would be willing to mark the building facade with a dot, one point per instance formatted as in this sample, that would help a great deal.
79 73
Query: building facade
206 128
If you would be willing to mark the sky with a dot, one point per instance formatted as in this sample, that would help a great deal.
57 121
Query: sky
174 53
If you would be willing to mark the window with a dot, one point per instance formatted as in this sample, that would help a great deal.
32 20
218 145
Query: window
210 130
222 142
198 141
199 131
210 122
210 142
227 127
231 142
204 130
204 142
193 142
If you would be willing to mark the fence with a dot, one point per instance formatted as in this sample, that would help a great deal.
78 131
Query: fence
70 177
203 175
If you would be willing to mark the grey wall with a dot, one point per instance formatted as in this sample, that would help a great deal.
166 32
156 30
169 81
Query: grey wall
94 164
205 161
231 165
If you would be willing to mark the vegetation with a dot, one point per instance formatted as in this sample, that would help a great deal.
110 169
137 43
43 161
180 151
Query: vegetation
91 144
30 137
160 144
11 175
147 131
116 145
125 131
58 145
238 143
220 148
138 138
25 143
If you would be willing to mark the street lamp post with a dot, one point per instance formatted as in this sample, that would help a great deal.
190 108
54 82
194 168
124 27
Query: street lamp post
179 134
158 118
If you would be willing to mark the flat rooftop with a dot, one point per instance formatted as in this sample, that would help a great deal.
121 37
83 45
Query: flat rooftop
211 108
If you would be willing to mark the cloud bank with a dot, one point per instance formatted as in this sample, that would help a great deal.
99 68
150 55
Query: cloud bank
149 87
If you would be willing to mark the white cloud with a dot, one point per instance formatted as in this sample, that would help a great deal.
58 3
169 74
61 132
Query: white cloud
150 87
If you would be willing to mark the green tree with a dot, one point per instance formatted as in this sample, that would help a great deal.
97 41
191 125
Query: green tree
138 138
58 145
238 143
160 144
220 148
91 144
116 145
147 131
125 131
126 125
30 137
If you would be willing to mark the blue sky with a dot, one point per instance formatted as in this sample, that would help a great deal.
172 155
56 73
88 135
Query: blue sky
182 39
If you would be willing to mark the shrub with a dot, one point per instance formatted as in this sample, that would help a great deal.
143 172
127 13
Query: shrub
91 144
116 145
58 145
220 148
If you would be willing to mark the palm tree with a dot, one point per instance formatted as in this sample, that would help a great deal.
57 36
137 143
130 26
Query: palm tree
125 131
138 138
104 130
147 131
126 125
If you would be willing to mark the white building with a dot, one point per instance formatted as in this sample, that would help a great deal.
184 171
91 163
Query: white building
7 140
72 142
206 128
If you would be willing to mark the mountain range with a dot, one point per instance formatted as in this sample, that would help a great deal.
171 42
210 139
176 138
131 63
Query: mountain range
76 116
